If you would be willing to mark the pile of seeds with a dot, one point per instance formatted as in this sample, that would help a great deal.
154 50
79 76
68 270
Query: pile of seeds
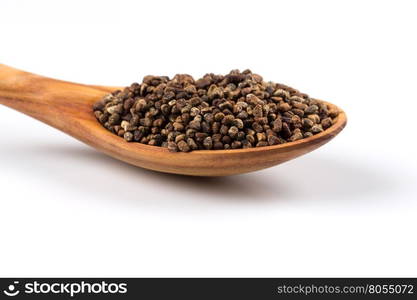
238 110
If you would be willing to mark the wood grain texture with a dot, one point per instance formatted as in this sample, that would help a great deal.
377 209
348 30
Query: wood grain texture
68 107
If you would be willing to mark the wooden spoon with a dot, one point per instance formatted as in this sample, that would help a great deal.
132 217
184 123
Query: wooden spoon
68 107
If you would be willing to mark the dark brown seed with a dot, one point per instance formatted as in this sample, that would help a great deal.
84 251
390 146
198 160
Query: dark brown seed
307 123
286 131
226 139
128 104
298 112
114 118
218 145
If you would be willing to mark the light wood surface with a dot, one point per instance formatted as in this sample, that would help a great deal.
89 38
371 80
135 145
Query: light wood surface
68 107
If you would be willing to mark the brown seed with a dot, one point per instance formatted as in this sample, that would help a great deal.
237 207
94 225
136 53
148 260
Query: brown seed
233 131
103 118
307 123
178 126
215 128
262 144
238 123
224 129
236 145
246 144
284 107
296 121
312 109
218 145
219 116
316 129
315 118
195 125
194 111
208 143
250 139
183 146
214 92
261 136
192 144
257 127
326 123
240 135
226 139
127 105
114 119
273 140
286 131
257 111
296 136
128 136
179 137
242 115
333 113
228 120
298 112
277 125
203 83
172 147
115 109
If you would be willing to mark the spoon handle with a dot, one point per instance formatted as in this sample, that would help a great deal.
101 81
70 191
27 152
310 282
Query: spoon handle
48 100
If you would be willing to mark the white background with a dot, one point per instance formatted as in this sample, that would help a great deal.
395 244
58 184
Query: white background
347 209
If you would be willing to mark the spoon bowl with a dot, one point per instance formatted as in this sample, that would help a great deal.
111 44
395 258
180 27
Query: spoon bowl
69 107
